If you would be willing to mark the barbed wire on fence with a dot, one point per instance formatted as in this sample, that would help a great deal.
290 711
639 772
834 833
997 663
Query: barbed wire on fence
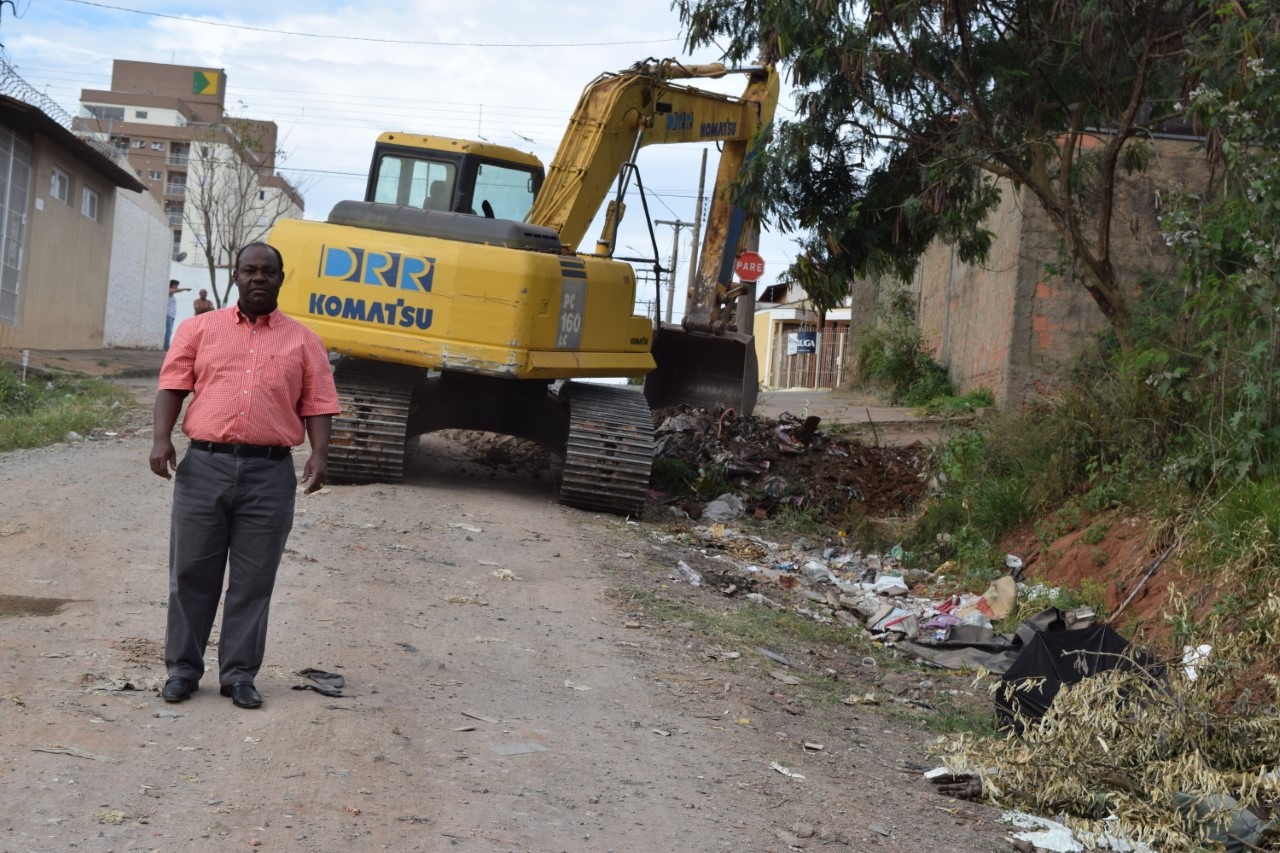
12 85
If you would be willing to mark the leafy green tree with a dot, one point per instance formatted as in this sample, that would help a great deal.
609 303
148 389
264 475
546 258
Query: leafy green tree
1223 361
909 114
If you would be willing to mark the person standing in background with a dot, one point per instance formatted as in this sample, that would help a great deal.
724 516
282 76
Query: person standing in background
174 290
202 303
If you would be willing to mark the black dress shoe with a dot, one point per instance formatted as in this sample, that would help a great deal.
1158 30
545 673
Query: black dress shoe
243 694
178 689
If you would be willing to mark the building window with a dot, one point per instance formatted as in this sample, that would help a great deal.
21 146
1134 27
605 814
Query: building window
177 245
139 113
60 185
262 195
138 143
107 113
89 203
154 175
157 146
206 152
15 184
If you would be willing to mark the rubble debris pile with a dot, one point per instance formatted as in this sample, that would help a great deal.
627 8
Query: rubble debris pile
789 462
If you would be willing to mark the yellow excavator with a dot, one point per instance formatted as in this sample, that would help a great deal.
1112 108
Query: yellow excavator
458 298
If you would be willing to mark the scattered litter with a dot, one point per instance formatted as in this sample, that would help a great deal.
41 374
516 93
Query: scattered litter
1191 658
488 640
74 753
582 687
474 598
814 747
102 682
111 816
465 729
868 698
506 575
325 683
773 656
727 507
470 528
660 732
783 677
773 765
517 748
684 572
632 625
1054 837
481 717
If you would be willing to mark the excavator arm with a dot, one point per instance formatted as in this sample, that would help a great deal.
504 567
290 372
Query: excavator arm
621 112
703 361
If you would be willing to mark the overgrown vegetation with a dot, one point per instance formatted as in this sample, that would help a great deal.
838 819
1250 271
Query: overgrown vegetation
41 412
892 358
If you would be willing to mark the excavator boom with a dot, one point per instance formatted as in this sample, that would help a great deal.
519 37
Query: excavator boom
702 361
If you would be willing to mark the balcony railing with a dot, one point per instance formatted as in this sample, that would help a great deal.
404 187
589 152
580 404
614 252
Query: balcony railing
175 220
178 159
175 189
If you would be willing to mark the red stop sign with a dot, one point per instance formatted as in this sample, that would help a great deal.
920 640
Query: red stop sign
749 266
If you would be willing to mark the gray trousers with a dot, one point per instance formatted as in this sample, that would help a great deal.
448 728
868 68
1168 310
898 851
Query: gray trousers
234 512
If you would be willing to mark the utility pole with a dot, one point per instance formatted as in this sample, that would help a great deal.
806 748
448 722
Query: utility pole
695 256
675 254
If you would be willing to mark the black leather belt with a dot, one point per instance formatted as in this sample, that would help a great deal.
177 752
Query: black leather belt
255 450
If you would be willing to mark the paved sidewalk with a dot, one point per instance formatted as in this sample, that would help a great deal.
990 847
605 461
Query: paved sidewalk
104 363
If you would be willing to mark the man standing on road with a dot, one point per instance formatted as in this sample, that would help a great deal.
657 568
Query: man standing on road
202 303
260 379
171 314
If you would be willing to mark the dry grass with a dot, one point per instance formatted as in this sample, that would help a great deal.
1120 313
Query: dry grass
1162 758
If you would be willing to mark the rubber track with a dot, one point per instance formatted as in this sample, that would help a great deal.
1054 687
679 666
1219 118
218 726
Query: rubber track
609 453
368 443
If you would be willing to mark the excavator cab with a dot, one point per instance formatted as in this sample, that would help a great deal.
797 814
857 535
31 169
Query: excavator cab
460 176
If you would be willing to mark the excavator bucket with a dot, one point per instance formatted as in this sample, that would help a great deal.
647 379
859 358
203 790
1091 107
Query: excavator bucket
703 369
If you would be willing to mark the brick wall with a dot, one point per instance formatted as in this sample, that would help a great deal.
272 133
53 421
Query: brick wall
1012 326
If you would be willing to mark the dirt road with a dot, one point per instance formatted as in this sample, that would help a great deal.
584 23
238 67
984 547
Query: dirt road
500 693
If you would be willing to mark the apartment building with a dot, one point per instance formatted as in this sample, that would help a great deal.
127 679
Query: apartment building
214 174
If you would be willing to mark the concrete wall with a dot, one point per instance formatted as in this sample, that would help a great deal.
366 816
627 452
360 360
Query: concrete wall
63 290
138 282
1009 325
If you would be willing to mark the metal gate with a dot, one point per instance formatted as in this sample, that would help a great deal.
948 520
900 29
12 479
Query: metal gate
802 357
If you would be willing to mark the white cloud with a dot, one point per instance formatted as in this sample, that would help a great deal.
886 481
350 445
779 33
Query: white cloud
332 96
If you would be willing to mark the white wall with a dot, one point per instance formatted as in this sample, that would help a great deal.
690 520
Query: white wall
138 277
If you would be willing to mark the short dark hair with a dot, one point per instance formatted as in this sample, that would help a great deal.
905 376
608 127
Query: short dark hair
279 257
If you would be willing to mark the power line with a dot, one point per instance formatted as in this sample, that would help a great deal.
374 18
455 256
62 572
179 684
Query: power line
187 20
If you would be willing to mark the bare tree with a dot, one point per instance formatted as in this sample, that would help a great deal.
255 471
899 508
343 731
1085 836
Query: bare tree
234 196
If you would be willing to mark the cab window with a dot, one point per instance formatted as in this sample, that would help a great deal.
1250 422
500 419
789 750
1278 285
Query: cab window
425 184
508 191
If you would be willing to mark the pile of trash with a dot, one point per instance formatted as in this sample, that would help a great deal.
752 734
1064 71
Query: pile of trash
788 461
871 592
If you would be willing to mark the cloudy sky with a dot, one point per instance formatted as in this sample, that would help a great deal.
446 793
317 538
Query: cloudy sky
333 77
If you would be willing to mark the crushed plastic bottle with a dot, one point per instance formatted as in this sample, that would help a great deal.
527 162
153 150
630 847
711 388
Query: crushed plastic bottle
687 573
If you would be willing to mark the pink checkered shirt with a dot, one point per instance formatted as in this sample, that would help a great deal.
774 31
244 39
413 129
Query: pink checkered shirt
253 382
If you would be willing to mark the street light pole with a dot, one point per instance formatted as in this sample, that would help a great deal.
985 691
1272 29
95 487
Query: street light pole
675 254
